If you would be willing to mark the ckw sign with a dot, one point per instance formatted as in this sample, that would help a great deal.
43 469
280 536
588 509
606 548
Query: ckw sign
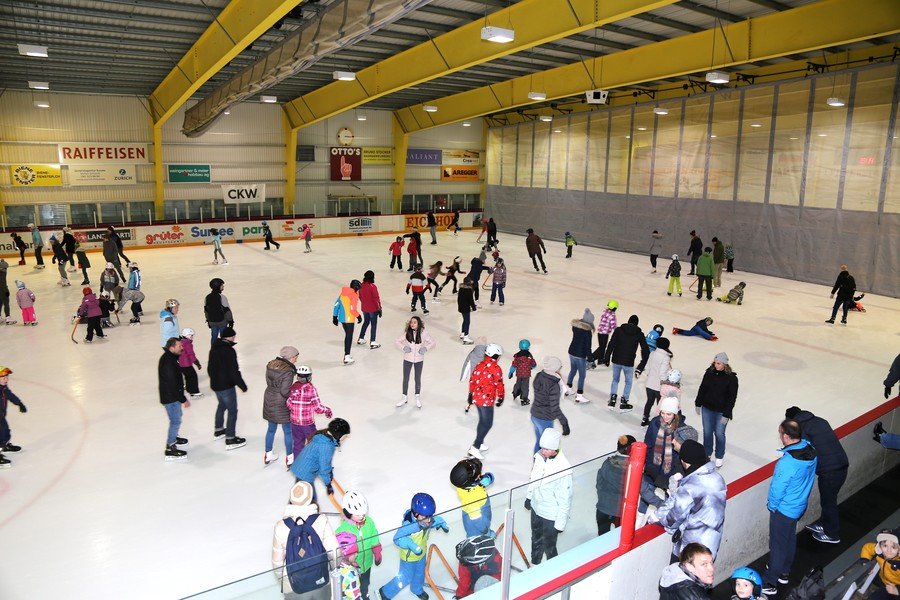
241 194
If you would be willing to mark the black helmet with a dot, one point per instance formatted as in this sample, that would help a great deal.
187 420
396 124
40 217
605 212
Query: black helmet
476 550
369 276
216 284
355 284
338 428
465 472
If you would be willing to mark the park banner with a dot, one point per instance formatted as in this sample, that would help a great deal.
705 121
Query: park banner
88 153
35 175
189 173
101 175
244 193
451 173
346 163
461 157
423 156
377 155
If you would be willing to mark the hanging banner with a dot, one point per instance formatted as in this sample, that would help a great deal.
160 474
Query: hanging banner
243 194
450 173
102 175
346 164
189 173
423 156
85 153
461 157
35 175
378 156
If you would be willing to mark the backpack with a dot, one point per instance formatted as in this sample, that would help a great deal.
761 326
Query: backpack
811 587
306 561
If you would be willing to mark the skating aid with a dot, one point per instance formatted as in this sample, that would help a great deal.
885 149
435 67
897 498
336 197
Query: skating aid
77 321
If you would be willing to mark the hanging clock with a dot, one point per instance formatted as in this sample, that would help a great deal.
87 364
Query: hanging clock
344 136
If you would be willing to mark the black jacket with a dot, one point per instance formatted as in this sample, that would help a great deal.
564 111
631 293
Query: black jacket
696 247
828 447
59 253
580 346
547 390
68 243
223 369
465 299
492 228
845 286
624 344
431 220
215 311
718 391
171 381
475 270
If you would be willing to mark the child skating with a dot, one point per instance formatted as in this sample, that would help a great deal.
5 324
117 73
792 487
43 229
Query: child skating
25 299
6 398
433 272
306 235
216 241
418 284
654 248
187 360
498 284
4 294
452 270
470 483
522 364
347 568
83 263
412 248
304 404
133 294
478 559
736 294
571 242
267 234
107 307
357 523
465 304
411 540
396 252
91 312
673 274
700 328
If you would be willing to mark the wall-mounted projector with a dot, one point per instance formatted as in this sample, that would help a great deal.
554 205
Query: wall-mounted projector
596 96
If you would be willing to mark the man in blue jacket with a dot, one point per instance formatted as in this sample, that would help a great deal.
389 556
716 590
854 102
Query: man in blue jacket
795 473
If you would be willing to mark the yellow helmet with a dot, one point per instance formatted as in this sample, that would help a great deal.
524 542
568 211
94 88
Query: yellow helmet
4 371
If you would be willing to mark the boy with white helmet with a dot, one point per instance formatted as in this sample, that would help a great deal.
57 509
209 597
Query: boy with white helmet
356 522
486 388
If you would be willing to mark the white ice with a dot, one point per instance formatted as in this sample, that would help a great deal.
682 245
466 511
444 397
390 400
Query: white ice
91 510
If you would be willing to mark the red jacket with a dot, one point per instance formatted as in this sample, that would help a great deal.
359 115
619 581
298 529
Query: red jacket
523 362
412 247
396 248
469 574
368 296
486 383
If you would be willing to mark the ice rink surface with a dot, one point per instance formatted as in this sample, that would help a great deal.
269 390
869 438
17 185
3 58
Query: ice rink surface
91 510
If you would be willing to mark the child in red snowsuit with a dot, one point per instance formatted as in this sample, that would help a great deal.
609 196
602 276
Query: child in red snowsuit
522 364
478 557
396 251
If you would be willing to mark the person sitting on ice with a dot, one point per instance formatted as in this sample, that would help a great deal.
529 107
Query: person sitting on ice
734 294
700 328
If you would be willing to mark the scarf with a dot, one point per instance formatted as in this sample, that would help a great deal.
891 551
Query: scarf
662 448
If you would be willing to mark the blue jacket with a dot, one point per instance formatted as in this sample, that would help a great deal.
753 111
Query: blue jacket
315 459
795 473
652 337
168 327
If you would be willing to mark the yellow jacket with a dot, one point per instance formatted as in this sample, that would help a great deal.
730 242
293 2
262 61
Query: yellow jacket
889 570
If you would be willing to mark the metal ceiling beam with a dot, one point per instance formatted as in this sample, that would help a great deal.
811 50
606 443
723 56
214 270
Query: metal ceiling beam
120 34
709 11
666 22
129 16
813 26
537 22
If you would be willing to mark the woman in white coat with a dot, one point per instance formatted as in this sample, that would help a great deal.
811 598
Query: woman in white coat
658 365
414 343
549 496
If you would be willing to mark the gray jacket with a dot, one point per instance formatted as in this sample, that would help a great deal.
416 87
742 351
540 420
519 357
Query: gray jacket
279 378
111 252
547 391
611 484
697 509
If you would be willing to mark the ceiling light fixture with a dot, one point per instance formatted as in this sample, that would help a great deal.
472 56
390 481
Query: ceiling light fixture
42 103
712 135
755 124
344 75
834 101
466 124
718 77
537 96
546 118
500 35
660 111
268 99
39 85
361 116
226 112
642 129
33 50
557 131
430 108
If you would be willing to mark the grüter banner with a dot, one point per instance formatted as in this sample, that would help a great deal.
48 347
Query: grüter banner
244 194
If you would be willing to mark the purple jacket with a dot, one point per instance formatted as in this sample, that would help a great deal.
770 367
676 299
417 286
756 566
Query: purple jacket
187 356
607 322
90 307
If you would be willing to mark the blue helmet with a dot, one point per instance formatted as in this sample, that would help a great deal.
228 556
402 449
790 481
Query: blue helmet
750 575
524 344
422 504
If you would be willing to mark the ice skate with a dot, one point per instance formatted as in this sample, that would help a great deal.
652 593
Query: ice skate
180 441
5 463
215 262
462 335
612 402
196 395
474 453
348 360
403 400
10 321
436 299
569 390
720 462
219 433
843 321
580 399
418 402
374 345
288 460
225 263
831 321
173 453
87 341
269 458
360 341
134 321
484 447
645 422
234 443
85 282
422 596
412 309
467 341
425 311
624 406
11 448
71 269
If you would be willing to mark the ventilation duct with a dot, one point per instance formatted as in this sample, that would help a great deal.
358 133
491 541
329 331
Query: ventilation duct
340 25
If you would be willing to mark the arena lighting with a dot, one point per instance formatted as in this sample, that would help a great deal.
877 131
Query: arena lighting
718 77
557 131
39 85
361 117
834 101
226 112
466 124
42 103
660 111
344 75
537 96
546 118
429 108
268 99
32 50
497 34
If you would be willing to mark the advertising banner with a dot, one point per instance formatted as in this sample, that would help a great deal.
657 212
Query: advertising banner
35 175
102 175
86 153
423 156
461 157
459 173
189 173
378 156
243 194
346 163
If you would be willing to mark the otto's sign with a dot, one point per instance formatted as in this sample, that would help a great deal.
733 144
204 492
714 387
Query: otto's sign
346 164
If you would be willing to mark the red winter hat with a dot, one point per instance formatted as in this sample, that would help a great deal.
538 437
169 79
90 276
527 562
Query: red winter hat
87 291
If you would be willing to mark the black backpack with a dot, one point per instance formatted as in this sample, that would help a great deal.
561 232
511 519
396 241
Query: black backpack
811 587
306 561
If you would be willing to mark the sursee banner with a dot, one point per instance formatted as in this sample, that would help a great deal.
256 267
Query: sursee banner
101 175
35 175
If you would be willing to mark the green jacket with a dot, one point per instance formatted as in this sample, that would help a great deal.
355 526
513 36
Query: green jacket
719 252
366 539
705 265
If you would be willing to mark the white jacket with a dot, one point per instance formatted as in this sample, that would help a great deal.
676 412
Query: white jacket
550 490
658 365
280 538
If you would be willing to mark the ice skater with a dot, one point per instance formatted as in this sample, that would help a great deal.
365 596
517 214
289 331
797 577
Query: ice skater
549 496
362 527
414 248
452 270
654 248
370 304
91 312
25 298
419 285
535 247
4 292
454 223
346 313
486 387
434 271
706 270
20 245
111 255
217 310
133 294
700 328
845 287
315 459
6 398
168 322
673 274
304 404
306 235
107 307
117 240
216 241
522 364
171 396
83 263
38 243
280 373
622 351
579 354
605 328
432 226
396 252
187 360
414 343
60 258
224 377
109 279
267 233
465 304
69 243
735 294
498 284
471 483
570 243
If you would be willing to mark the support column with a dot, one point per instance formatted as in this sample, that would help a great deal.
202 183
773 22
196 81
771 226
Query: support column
401 143
482 197
159 176
290 164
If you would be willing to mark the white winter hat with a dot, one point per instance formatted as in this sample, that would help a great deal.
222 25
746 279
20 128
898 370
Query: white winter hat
669 404
301 494
550 439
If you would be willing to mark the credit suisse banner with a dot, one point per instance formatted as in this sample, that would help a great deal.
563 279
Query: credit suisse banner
35 175
102 175
461 157
243 194
85 153
346 163
451 173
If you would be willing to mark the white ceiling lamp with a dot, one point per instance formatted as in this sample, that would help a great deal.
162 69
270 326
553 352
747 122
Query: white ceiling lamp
659 110
835 102
226 112
268 99
466 124
39 85
642 129
756 125
344 75
557 131
429 108
498 35
361 116
42 103
537 96
718 77
33 50
546 118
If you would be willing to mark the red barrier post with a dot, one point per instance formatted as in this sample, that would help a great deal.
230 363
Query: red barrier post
630 499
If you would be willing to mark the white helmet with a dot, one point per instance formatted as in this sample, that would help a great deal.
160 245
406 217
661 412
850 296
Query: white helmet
493 350
187 332
674 257
304 371
355 503
109 265
132 265
104 294
673 376
171 303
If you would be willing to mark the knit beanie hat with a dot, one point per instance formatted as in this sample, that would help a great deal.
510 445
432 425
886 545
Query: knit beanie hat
301 493
685 433
669 404
550 439
588 316
791 412
633 319
288 352
623 445
551 365
87 291
662 343
722 358
20 284
693 453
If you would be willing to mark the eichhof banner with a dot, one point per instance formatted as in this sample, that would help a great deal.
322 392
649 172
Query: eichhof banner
243 194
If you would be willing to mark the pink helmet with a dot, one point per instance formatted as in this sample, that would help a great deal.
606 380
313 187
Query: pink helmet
347 543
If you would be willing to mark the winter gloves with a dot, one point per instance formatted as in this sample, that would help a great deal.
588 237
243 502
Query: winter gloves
334 320
407 349
527 503
376 552
22 408
887 392
379 313
423 350
440 523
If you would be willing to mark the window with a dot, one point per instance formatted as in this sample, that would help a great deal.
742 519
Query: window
82 214
755 124
598 134
694 140
723 146
826 143
53 214
111 212
665 153
19 215
787 149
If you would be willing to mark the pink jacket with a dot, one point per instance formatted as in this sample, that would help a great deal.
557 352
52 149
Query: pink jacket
25 298
414 355
607 322
187 357
667 390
